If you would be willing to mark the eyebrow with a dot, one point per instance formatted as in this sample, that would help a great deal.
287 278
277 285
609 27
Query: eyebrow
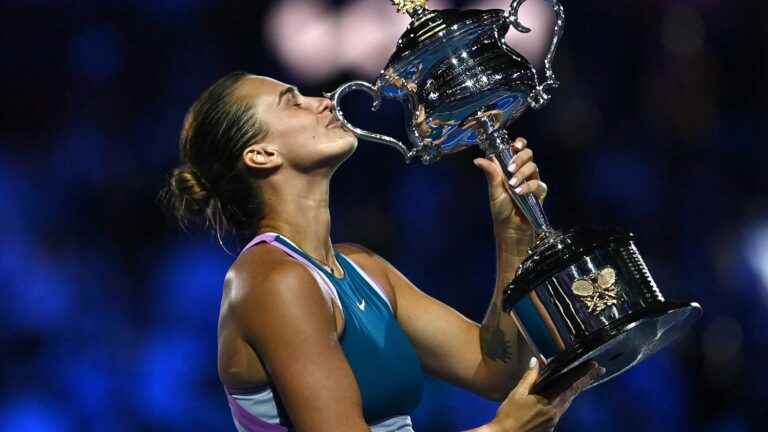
285 91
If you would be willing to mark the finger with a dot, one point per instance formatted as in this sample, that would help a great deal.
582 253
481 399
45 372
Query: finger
494 176
580 385
520 143
536 187
561 407
496 165
529 378
565 380
519 160
563 400
529 171
491 168
487 166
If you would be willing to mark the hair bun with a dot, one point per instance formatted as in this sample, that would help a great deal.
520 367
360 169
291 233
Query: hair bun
193 195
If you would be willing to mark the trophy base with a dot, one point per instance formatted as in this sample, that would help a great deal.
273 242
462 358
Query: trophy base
622 344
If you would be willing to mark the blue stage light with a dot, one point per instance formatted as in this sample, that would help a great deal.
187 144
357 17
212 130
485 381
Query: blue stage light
33 414
188 283
166 384
96 53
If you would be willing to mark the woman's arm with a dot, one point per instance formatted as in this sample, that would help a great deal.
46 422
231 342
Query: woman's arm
286 319
451 346
488 359
505 351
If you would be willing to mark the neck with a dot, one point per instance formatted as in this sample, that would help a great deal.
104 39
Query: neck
298 209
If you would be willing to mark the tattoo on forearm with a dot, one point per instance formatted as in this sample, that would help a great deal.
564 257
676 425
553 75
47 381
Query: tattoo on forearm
493 341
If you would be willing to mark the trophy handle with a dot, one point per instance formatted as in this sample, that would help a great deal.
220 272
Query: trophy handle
539 96
360 133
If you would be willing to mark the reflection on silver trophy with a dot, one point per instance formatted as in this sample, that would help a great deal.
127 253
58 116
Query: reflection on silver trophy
581 295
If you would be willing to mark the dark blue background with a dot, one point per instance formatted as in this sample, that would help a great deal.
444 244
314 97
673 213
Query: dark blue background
109 311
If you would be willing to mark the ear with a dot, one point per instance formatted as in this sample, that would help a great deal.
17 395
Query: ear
262 156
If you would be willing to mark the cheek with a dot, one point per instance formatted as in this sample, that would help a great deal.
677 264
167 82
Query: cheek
296 130
305 127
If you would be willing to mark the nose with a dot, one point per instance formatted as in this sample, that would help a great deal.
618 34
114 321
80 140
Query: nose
323 105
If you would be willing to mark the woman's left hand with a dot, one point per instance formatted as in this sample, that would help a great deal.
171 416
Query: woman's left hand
525 179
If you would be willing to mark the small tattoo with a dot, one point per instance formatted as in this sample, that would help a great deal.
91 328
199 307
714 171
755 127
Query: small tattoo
493 341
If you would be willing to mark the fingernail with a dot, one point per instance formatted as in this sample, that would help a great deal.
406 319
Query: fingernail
476 164
519 190
514 181
532 364
512 167
602 371
519 144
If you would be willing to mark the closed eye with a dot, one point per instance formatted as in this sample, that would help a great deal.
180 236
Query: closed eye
290 91
295 100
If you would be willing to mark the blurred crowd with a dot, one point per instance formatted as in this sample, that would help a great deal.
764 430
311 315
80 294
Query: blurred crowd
109 310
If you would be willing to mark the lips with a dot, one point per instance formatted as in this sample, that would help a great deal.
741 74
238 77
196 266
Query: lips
332 121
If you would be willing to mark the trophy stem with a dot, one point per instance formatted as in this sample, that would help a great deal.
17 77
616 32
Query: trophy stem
497 143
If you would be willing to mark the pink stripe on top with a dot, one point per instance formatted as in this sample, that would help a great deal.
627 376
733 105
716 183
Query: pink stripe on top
325 284
258 412
246 420
267 237
250 422
322 280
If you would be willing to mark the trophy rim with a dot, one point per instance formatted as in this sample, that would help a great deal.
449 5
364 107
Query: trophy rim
684 314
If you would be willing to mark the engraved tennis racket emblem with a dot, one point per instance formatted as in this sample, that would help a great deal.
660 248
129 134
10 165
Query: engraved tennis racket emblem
597 290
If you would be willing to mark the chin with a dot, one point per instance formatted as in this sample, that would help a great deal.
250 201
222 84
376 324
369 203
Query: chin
350 145
352 142
337 150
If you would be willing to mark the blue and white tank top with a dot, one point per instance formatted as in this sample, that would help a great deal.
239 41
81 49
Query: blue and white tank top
381 356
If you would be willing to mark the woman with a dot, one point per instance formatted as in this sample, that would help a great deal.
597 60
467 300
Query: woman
321 337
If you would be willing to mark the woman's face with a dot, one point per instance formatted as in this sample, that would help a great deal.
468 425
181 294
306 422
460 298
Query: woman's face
302 129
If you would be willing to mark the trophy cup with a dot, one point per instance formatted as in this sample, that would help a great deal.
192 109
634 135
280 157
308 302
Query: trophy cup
580 295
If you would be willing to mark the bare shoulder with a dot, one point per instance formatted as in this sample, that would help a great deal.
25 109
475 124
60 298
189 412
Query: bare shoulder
357 250
286 320
259 263
373 264
264 276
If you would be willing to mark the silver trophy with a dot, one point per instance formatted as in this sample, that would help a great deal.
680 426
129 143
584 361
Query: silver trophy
580 295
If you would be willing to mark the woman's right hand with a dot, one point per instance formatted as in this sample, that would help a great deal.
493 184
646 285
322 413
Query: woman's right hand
523 411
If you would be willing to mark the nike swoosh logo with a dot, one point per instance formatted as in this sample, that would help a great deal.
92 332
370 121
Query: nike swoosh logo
361 305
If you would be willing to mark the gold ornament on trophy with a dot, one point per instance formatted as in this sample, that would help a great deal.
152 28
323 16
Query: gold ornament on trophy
408 6
597 290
